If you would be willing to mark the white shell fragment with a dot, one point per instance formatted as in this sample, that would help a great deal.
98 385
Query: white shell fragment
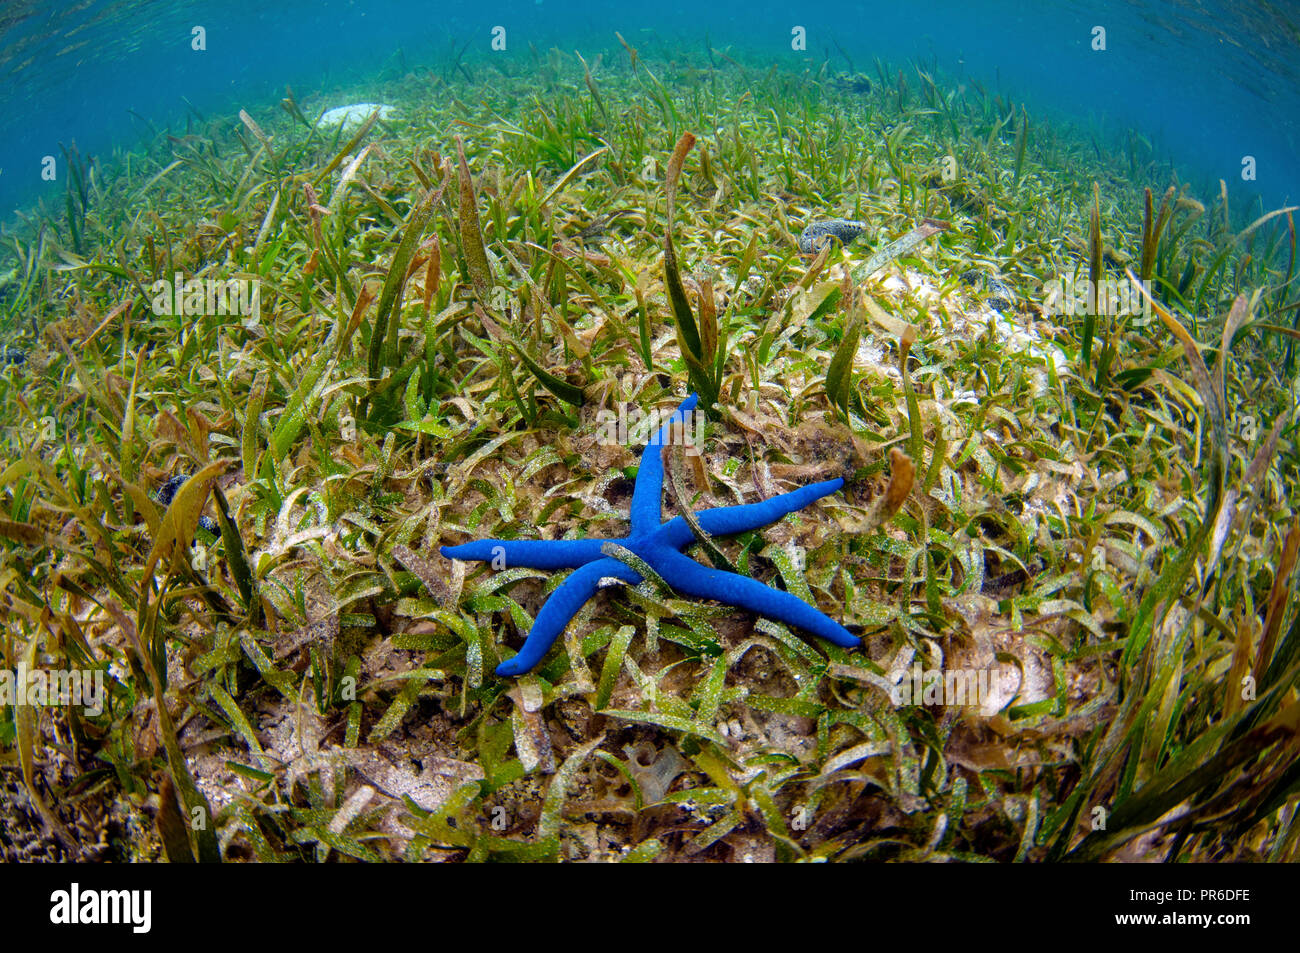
355 114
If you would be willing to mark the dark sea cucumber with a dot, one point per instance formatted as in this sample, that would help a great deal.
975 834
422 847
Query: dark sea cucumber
1001 296
813 238
167 493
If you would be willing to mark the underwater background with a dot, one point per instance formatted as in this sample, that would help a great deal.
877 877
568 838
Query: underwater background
345 349
1211 81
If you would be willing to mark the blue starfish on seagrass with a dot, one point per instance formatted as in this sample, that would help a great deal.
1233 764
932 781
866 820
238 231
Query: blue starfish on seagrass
659 545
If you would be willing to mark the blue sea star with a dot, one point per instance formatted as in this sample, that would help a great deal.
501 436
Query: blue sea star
659 545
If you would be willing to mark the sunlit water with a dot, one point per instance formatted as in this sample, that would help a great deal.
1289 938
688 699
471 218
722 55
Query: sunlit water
1212 84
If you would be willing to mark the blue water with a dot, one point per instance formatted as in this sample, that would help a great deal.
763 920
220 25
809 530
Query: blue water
1209 82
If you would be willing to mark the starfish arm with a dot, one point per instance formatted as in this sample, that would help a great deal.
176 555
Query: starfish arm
727 520
531 553
647 494
693 579
560 608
